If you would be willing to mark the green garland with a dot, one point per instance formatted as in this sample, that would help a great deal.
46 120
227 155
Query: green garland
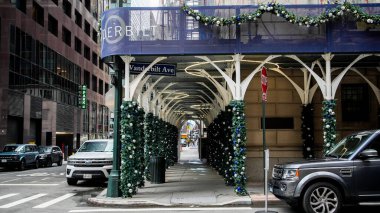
329 124
239 141
129 149
279 10
149 139
228 152
307 129
140 147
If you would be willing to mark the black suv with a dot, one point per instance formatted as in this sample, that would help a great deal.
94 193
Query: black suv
348 174
19 155
49 155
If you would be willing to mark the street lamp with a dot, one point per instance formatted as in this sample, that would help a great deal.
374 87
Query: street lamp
113 188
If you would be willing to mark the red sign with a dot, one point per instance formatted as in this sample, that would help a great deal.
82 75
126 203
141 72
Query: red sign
264 83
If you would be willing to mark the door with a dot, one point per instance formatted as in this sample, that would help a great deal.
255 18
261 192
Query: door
55 155
367 175
28 154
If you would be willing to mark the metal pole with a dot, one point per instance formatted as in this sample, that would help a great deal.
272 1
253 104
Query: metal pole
113 189
264 142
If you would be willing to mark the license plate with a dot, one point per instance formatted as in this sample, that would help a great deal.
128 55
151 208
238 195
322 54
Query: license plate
3 160
87 176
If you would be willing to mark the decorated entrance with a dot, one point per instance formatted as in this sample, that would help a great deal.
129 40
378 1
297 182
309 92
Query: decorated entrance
218 54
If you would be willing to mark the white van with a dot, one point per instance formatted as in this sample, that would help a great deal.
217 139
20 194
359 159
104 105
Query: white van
92 161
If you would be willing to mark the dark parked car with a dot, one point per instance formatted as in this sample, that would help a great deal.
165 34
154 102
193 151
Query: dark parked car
348 174
19 156
49 155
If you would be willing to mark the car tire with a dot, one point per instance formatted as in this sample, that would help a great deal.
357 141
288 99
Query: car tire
322 197
59 163
21 166
72 181
37 164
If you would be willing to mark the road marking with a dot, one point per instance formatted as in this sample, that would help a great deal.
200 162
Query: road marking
29 184
22 201
45 178
164 209
41 174
8 195
58 199
10 180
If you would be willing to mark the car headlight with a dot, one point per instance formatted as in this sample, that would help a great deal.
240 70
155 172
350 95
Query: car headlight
70 162
43 156
290 174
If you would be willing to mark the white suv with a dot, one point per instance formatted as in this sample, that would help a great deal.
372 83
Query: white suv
93 161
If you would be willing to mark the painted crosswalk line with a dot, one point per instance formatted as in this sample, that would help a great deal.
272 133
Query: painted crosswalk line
54 201
22 201
8 195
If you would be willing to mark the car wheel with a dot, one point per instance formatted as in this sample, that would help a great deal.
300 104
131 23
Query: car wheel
72 181
37 164
59 163
21 166
322 198
49 163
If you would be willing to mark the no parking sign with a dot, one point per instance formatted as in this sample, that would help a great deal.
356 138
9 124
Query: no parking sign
264 83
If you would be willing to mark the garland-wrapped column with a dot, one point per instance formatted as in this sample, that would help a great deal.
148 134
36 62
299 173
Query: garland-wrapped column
329 124
307 129
149 139
140 147
129 149
239 142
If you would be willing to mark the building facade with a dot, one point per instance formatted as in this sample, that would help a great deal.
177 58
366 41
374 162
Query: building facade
48 50
343 53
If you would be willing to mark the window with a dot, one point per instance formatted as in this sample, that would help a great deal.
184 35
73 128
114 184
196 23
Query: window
55 1
20 4
78 45
95 35
86 78
87 4
95 59
86 52
38 13
66 7
66 36
101 65
106 87
101 87
40 71
93 116
278 123
78 19
87 28
53 25
355 102
94 83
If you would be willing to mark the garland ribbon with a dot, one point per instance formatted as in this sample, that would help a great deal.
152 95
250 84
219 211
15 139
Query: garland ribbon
279 10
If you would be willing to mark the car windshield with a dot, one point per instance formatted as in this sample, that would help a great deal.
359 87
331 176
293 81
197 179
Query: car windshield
11 148
347 146
96 146
43 149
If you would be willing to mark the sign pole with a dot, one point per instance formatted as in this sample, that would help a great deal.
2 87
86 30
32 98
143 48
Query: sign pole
264 87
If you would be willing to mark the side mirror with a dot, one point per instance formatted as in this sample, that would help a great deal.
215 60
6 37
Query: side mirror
368 153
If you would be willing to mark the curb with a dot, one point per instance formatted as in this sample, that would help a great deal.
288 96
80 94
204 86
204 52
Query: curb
102 200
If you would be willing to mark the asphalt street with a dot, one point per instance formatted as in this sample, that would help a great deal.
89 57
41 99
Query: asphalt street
45 190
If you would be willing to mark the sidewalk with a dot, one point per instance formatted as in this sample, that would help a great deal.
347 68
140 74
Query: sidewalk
189 183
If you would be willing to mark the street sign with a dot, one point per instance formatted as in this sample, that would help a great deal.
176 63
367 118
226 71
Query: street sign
82 96
264 83
157 69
